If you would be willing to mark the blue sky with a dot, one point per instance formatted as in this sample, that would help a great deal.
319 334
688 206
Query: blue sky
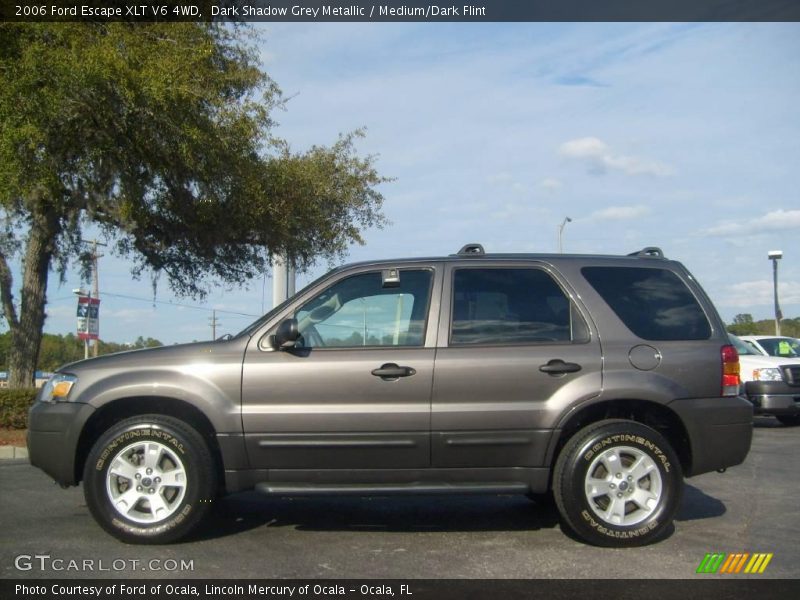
681 136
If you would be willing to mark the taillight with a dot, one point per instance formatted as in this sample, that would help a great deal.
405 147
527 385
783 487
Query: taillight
730 371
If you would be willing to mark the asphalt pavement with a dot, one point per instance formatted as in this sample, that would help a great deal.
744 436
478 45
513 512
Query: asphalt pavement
47 532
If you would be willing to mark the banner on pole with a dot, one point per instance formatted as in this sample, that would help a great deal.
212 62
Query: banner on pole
88 318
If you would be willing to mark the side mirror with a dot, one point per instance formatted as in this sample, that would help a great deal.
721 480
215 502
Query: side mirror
287 334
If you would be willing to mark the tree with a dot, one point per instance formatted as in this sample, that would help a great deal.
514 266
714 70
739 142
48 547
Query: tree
161 137
743 324
57 350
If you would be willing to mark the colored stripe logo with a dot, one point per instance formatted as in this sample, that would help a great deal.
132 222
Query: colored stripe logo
742 562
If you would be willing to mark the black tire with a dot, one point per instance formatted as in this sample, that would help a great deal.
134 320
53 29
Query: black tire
789 420
638 520
160 513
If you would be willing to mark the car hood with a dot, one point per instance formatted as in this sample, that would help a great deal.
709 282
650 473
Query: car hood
159 355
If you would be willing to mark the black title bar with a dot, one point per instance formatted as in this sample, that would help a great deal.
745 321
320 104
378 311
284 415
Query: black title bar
395 589
395 11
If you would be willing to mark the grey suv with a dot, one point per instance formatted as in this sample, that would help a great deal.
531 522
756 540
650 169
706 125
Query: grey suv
602 379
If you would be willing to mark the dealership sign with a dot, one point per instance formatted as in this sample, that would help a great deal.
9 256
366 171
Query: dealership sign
88 318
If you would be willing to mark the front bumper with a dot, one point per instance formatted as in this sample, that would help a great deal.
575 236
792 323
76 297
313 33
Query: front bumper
720 431
773 397
54 430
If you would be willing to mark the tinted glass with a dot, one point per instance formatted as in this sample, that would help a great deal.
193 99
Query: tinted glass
360 311
512 306
654 304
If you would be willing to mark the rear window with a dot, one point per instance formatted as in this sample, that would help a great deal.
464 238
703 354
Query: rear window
654 304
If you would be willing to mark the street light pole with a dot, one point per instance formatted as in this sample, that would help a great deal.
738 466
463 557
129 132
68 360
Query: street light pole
775 256
561 234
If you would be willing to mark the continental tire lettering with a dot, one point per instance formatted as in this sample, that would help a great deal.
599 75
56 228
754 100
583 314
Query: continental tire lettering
635 439
619 534
136 434
149 531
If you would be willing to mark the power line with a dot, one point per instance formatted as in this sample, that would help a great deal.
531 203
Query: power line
152 301
192 306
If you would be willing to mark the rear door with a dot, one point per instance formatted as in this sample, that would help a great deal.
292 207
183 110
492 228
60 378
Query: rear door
515 350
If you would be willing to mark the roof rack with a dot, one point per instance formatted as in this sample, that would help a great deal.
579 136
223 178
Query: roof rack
648 252
471 250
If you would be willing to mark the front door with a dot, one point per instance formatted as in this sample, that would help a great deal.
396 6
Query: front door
355 393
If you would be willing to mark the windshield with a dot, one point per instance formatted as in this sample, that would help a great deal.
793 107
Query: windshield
781 346
250 329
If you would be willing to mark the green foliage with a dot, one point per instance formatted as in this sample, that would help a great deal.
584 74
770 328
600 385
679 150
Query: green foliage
57 350
14 406
743 324
161 136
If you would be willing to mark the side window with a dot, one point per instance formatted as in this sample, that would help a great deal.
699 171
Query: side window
363 311
512 306
654 303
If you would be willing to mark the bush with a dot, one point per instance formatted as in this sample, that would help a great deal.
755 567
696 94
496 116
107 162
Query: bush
14 406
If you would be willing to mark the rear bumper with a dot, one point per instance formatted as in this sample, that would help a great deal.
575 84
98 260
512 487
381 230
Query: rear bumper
773 397
53 434
720 431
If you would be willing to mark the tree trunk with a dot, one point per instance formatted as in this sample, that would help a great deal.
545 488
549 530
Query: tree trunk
26 333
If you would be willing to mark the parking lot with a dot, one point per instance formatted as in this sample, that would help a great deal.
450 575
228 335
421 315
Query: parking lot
751 508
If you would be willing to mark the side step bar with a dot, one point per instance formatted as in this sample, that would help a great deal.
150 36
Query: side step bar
385 489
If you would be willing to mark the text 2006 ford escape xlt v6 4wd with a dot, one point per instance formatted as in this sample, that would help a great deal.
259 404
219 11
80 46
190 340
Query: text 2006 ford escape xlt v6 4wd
604 379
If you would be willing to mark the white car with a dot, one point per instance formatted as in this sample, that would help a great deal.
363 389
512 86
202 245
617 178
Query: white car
773 345
771 383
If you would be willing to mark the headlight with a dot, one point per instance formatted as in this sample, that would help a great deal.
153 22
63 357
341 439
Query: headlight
57 388
769 374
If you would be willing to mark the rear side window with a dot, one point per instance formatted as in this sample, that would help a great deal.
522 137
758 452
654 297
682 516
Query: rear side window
512 306
654 304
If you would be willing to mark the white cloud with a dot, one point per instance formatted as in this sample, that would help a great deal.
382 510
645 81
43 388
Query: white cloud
599 157
584 148
775 220
620 213
551 184
759 293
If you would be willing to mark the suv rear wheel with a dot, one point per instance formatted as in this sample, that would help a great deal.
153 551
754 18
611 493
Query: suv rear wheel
618 483
789 420
149 479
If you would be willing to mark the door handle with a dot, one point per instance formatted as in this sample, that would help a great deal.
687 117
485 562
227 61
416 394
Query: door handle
559 367
392 371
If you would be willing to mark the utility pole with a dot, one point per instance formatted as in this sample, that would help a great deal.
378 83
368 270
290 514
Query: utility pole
89 305
96 289
213 321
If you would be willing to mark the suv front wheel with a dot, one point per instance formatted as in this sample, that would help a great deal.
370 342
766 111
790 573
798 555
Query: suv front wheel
618 483
149 479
